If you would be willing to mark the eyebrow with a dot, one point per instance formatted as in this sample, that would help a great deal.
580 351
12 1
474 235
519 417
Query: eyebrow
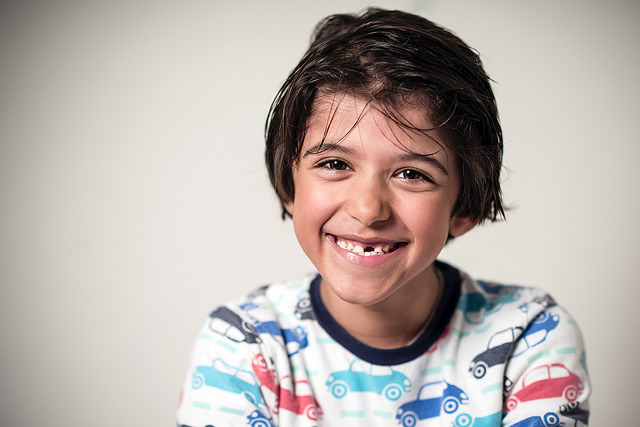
323 147
406 157
426 158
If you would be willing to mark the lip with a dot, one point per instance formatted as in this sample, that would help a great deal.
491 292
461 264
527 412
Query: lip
371 241
361 259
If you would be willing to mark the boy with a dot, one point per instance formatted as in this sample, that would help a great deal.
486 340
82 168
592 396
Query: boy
383 144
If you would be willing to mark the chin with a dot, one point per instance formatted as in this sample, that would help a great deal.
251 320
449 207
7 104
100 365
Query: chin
356 296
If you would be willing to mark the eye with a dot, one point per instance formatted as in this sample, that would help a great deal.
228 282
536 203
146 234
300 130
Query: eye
334 164
412 175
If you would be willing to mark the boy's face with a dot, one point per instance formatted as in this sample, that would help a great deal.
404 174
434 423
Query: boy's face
370 213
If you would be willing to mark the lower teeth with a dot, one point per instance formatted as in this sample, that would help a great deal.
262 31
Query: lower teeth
368 251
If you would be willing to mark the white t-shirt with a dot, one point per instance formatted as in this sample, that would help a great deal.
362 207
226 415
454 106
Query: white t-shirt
492 355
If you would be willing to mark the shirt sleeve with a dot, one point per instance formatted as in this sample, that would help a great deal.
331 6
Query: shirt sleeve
546 378
230 380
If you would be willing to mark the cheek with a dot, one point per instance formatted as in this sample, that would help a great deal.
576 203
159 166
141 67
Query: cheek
429 221
304 206
311 196
310 206
313 207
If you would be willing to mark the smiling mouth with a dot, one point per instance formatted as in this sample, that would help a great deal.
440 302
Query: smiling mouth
367 250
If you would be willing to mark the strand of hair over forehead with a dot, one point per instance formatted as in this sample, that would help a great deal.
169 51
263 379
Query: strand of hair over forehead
393 114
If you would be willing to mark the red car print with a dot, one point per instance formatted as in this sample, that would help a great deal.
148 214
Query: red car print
300 401
267 380
547 381
266 376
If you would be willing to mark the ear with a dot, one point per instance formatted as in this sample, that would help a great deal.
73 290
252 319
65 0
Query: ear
459 225
288 206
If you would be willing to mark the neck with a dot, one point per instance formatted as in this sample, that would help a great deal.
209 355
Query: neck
393 323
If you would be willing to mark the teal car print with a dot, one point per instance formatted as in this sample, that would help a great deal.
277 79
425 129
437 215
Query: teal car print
228 378
465 420
364 377
476 307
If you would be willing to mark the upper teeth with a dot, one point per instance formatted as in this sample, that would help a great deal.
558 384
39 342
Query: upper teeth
360 250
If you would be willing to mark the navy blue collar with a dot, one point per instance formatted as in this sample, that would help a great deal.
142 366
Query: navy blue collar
396 356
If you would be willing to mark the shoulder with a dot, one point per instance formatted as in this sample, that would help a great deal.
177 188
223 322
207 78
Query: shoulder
242 351
529 314
482 301
279 304
520 337
515 324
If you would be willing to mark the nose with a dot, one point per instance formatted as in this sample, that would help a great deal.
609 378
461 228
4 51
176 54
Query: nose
369 202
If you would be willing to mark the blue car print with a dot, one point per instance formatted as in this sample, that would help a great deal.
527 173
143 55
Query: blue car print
475 306
362 377
549 419
433 398
248 306
228 378
537 332
294 339
258 419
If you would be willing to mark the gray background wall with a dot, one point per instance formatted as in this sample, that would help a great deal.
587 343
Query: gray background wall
133 197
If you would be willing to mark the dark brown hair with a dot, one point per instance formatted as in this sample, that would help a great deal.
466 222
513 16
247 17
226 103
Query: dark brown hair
393 59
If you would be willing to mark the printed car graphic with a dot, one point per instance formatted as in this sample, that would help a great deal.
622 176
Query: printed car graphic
227 323
496 288
465 420
547 381
549 419
546 301
266 379
507 385
259 292
248 306
304 310
432 398
266 376
537 332
498 351
364 377
228 378
295 339
575 412
300 402
258 419
475 306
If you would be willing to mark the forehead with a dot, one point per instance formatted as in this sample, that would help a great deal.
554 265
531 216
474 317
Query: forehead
335 116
